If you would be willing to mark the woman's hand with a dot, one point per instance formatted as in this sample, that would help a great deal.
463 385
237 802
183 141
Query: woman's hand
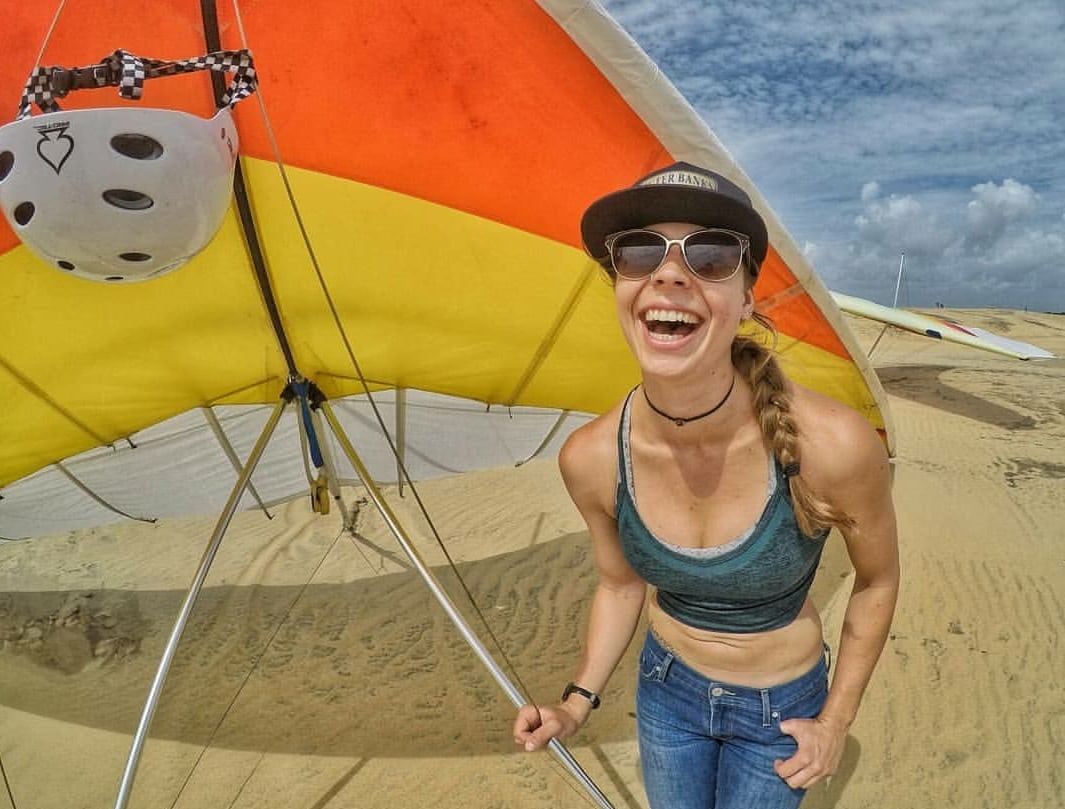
537 725
820 743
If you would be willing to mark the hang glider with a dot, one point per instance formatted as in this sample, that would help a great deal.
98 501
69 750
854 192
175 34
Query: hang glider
940 328
402 256
434 240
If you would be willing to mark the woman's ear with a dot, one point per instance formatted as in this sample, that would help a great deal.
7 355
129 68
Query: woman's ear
748 303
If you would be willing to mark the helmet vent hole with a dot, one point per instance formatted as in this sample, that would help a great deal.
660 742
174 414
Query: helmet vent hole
66 265
136 146
7 161
24 212
134 256
128 200
115 278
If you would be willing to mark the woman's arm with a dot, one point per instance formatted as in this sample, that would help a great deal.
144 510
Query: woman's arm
847 464
616 604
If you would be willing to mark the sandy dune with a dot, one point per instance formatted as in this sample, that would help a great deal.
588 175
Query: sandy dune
318 672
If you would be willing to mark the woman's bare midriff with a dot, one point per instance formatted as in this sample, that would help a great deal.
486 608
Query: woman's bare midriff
757 660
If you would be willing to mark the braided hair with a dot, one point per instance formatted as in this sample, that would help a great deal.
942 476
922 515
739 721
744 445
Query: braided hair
772 405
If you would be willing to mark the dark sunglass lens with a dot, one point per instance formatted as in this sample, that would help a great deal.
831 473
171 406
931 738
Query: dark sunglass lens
636 255
713 255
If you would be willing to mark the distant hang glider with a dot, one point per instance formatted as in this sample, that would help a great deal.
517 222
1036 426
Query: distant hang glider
940 328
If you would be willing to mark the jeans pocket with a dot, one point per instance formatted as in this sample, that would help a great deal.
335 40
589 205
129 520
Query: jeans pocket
653 664
806 706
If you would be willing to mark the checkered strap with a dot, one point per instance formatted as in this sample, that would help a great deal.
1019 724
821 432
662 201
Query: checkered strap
128 72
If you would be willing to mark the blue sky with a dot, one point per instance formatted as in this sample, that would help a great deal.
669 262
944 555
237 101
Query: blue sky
881 127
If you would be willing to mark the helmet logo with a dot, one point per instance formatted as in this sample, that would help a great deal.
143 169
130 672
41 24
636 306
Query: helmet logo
55 145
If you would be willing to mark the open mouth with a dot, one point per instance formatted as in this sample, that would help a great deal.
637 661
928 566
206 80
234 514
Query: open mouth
670 324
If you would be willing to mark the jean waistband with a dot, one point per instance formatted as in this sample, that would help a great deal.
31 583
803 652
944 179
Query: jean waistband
670 666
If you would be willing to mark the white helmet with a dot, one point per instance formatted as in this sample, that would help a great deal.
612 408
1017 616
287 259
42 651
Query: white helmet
121 194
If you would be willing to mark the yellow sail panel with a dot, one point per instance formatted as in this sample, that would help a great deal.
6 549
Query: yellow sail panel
433 298
84 363
440 178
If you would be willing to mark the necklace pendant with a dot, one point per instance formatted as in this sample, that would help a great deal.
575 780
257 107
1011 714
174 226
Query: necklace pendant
680 422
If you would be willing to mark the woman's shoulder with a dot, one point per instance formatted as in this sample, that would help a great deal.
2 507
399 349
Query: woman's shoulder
835 440
845 461
592 443
589 456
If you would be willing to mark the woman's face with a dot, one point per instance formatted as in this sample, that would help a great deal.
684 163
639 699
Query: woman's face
676 323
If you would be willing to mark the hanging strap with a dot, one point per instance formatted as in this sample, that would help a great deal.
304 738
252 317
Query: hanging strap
128 72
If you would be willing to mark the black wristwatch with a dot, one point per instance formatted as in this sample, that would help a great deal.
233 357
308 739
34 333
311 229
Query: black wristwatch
573 688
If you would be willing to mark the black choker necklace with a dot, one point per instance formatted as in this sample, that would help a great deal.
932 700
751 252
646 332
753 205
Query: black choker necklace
680 422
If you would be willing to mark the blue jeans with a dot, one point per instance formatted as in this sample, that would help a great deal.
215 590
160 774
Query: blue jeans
711 745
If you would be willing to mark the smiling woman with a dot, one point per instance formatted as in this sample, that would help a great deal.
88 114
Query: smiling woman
742 474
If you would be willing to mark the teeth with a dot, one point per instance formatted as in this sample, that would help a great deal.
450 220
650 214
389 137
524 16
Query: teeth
669 316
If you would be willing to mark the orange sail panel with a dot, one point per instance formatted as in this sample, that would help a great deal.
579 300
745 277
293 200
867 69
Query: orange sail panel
416 173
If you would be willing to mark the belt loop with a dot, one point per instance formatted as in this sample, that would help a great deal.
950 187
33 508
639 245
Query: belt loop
663 667
767 718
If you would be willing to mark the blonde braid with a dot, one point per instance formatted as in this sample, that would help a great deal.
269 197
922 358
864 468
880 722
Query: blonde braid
772 404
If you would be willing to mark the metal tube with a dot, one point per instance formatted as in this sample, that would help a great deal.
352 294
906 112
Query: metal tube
223 441
898 281
547 438
155 691
445 601
401 437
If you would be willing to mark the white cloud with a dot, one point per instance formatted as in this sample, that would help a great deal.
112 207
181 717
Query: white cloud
995 207
902 224
982 248
954 106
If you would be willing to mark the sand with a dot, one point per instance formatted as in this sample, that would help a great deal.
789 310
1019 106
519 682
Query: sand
317 671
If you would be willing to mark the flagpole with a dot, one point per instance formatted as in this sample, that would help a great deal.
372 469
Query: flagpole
898 281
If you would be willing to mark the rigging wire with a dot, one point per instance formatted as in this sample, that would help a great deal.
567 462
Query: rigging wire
51 30
380 420
264 281
41 58
7 784
246 781
330 303
253 669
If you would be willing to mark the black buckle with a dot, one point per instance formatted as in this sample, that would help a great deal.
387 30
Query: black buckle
82 78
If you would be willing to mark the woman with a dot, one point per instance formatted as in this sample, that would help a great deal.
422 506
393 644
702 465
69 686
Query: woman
716 482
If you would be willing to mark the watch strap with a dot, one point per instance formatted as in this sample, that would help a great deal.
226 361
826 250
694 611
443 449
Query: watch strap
573 688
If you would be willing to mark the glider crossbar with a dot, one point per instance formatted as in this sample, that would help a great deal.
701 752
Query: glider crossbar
230 453
438 592
547 438
81 486
156 689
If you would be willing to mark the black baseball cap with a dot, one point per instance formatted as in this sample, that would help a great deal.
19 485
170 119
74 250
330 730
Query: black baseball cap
678 193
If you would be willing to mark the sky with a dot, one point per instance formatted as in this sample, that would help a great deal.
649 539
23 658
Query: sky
877 128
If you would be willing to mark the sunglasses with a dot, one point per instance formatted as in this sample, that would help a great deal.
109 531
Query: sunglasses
712 254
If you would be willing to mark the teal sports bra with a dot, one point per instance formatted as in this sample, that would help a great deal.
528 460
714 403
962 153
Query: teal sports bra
757 582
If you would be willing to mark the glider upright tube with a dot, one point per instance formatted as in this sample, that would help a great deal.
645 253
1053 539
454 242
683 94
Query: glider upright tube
186 608
445 601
